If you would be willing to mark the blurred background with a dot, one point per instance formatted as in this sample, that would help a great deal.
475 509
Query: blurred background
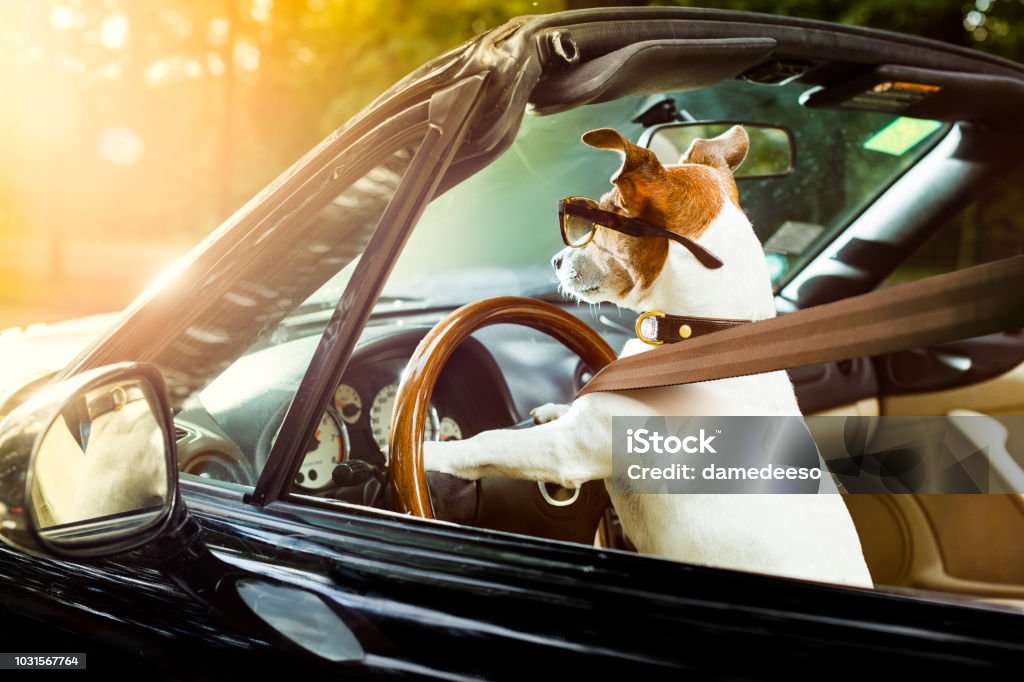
131 128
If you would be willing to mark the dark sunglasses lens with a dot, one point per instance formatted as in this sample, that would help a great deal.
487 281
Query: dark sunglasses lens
577 231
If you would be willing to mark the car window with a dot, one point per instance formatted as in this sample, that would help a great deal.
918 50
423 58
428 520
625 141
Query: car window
988 228
495 233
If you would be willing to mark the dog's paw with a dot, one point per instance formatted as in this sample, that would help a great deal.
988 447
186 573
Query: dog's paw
434 458
441 457
548 412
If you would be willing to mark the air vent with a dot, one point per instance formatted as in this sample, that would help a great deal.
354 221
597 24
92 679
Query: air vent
180 434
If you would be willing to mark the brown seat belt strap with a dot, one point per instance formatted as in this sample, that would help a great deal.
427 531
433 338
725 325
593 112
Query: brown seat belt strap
983 299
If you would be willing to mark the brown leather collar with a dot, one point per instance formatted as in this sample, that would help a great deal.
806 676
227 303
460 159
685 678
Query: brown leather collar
655 327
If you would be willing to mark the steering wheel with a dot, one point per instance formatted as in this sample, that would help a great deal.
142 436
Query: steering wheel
412 402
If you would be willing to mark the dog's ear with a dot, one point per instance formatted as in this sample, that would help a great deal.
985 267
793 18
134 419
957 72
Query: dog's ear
726 151
639 165
634 158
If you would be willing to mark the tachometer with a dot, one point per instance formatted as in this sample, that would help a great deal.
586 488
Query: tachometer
349 404
449 429
328 449
380 418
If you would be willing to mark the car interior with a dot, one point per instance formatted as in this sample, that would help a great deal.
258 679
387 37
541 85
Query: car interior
897 173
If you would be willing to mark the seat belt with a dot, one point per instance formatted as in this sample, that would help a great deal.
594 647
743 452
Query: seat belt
979 300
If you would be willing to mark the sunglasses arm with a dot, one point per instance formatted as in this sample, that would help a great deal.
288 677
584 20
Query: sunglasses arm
637 228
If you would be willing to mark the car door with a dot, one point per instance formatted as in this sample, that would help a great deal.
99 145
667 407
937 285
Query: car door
955 543
984 375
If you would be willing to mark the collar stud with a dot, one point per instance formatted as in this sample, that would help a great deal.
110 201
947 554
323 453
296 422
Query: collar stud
655 327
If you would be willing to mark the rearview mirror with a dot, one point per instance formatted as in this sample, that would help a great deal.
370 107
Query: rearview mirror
772 151
88 467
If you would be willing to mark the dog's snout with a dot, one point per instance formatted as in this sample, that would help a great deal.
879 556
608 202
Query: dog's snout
556 260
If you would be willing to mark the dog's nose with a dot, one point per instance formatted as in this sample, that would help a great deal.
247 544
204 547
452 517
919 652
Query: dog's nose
556 260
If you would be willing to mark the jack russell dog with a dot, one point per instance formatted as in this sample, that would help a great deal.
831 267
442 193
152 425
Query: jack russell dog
809 537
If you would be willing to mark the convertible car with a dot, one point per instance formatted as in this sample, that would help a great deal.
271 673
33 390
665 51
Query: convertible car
243 506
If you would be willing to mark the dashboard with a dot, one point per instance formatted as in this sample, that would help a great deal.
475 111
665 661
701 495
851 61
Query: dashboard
227 434
493 379
470 396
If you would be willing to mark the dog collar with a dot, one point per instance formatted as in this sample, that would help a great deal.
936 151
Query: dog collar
114 401
655 327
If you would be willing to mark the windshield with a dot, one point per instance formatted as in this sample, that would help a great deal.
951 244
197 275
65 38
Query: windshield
496 232
280 292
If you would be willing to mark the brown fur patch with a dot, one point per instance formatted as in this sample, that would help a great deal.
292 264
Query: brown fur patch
685 199
642 258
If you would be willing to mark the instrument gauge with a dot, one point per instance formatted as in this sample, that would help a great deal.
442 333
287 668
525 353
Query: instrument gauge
380 418
449 429
349 404
328 449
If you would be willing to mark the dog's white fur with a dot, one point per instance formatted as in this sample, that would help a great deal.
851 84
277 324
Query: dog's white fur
122 469
802 536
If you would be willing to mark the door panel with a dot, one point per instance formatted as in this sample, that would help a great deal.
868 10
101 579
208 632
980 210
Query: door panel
836 386
868 407
979 535
950 365
965 544
968 544
1002 395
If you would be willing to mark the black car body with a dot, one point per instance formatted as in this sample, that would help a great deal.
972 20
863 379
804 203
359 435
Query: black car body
264 570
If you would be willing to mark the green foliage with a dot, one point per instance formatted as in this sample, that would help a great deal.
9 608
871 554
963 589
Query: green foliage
225 94
989 25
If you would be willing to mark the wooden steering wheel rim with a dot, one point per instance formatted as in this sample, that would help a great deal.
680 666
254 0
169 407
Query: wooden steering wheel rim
412 403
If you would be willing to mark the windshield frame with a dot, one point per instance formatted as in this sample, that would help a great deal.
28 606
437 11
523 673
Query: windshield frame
449 114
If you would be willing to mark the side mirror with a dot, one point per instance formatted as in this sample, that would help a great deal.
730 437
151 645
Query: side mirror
88 467
772 149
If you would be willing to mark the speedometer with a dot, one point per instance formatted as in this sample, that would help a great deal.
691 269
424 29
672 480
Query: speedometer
349 404
380 418
328 449
449 429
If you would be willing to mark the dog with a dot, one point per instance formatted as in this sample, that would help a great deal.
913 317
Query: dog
810 537
120 466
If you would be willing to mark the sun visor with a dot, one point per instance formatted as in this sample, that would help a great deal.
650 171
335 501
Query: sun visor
650 67
926 94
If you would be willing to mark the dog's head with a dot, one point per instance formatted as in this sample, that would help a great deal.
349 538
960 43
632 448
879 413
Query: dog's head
685 198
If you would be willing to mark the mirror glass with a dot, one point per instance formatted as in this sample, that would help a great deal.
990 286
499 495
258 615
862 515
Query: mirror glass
101 470
770 154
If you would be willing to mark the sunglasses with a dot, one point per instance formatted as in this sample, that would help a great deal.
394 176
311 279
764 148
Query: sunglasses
580 216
